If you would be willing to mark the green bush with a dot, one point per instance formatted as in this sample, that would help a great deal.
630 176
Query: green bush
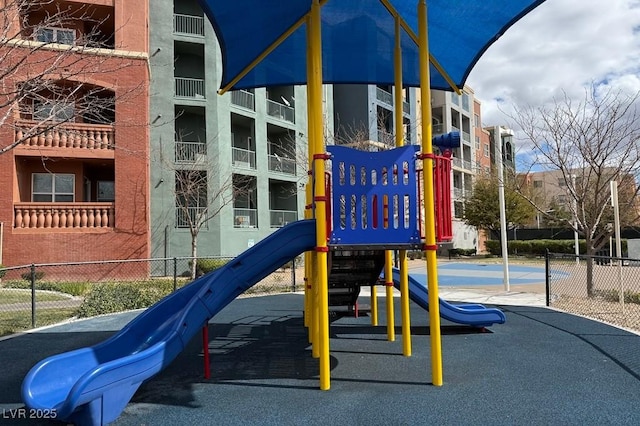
539 247
204 266
614 296
110 298
2 271
27 275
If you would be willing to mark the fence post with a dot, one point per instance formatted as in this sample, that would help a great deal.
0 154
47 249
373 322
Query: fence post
33 296
547 277
175 274
293 273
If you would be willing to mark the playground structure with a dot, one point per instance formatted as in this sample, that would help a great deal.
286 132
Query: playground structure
370 208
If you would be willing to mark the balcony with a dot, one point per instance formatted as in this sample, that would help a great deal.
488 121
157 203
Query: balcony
461 164
67 135
279 218
437 129
191 217
466 137
190 152
244 99
384 96
282 164
190 88
244 158
75 216
188 25
458 193
245 218
406 108
280 111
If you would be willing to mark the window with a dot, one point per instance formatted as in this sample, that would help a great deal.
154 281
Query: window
106 192
476 120
56 35
537 184
477 142
561 182
51 110
486 149
465 101
52 187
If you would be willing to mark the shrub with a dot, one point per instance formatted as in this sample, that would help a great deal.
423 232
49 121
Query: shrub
2 271
110 298
27 275
204 266
614 296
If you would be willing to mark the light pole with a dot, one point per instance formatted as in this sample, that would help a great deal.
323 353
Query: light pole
503 215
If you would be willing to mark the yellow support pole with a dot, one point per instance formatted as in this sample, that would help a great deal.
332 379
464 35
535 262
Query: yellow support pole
404 304
310 269
399 122
374 305
320 202
427 167
388 282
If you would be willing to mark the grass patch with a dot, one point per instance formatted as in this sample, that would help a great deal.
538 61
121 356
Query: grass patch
14 322
8 297
73 288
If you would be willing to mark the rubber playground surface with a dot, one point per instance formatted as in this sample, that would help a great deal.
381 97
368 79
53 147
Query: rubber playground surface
541 367
455 274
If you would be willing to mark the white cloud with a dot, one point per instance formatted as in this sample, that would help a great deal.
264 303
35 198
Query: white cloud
563 45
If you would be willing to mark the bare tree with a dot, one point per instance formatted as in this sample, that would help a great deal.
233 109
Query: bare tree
51 53
588 143
197 199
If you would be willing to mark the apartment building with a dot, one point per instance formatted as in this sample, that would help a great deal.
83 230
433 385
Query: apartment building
75 187
455 113
247 147
483 158
365 114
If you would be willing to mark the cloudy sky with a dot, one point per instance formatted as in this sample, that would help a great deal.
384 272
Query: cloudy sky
561 45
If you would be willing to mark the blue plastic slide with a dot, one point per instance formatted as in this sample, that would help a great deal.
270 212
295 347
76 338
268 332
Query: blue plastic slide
93 385
475 315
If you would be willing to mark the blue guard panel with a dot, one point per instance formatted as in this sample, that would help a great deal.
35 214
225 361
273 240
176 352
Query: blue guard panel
374 197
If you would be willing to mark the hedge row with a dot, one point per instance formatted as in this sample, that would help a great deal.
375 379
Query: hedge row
539 247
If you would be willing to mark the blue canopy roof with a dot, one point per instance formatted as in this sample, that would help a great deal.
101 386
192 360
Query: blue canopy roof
357 38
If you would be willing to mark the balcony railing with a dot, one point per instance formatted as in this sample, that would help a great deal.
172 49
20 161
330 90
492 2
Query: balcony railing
279 218
384 96
190 88
64 215
458 193
283 112
282 164
461 164
466 137
437 129
386 138
188 24
244 158
245 218
190 152
406 108
191 217
66 135
244 99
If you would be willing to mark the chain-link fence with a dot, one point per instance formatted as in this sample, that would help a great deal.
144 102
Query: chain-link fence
604 288
43 294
